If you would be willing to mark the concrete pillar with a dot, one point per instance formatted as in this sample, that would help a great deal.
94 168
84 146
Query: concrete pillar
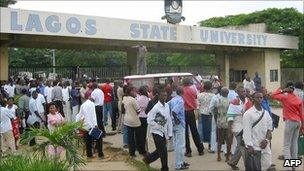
3 63
222 60
272 64
137 60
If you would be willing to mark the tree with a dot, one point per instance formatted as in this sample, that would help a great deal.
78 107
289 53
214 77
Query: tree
286 21
6 3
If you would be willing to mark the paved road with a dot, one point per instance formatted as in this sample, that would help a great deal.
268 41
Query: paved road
208 161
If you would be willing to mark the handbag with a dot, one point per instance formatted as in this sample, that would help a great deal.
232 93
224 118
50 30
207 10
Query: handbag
301 145
275 120
95 133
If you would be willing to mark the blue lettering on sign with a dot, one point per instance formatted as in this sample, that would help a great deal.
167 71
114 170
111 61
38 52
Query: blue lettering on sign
134 28
52 24
14 22
34 22
227 37
173 33
73 25
90 27
155 33
147 31
165 30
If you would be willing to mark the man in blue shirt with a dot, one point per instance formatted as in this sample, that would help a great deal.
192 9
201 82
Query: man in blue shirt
257 82
178 118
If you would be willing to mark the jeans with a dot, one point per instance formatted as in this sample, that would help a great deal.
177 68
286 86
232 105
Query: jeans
238 152
142 135
160 152
206 127
99 116
89 145
291 135
125 135
190 122
107 109
253 162
67 111
75 111
114 115
134 140
179 144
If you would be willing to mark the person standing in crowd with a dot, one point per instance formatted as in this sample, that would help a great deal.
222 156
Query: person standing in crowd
10 88
82 91
75 94
6 130
107 109
216 82
87 114
190 103
23 107
265 103
57 97
178 119
35 118
48 94
41 87
33 86
257 82
232 94
204 99
132 121
66 100
115 112
257 127
15 122
98 99
54 119
248 83
293 117
235 124
298 90
160 123
120 94
142 101
198 77
222 132
41 105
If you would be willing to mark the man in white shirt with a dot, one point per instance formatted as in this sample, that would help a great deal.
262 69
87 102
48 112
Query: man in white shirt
48 93
98 99
248 83
6 130
257 127
161 128
66 101
235 112
87 115
10 88
34 118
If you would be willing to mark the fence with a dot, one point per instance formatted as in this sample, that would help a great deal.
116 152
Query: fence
113 72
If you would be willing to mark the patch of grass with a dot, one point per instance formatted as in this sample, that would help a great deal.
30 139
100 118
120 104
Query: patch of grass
140 165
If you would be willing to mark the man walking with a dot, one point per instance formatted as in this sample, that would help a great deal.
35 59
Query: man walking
235 123
178 116
107 110
257 125
190 103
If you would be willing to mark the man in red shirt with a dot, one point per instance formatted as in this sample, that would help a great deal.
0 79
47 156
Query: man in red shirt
190 102
293 117
107 107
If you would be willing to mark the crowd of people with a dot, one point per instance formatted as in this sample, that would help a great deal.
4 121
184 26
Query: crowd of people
236 119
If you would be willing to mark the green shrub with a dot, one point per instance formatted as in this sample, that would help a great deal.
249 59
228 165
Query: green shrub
64 136
20 162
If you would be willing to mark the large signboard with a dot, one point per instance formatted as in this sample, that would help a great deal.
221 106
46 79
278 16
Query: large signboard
18 21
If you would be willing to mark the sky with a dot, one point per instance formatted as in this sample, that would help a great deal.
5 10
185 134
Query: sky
194 11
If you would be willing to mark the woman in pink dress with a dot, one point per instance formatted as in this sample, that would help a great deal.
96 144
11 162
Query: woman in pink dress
54 119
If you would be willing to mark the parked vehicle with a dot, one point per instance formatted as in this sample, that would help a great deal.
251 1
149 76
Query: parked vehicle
161 78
